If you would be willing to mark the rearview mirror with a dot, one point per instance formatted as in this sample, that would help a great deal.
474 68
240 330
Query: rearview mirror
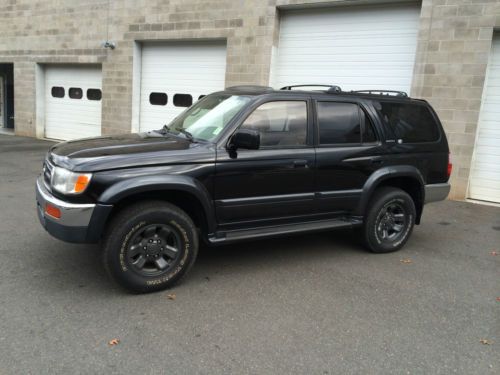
245 138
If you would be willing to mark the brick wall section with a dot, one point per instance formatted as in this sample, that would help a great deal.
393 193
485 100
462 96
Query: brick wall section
452 53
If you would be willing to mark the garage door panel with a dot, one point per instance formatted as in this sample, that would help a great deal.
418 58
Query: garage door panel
354 47
178 68
484 183
67 118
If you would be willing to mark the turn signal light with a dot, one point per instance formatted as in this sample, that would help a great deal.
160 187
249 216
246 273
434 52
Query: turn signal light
81 183
52 211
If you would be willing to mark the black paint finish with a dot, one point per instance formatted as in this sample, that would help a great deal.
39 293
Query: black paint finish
251 189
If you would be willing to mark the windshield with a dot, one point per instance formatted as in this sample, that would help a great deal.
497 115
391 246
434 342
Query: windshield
206 118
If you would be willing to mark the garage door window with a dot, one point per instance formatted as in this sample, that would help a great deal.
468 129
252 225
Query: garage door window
183 100
94 94
75 93
158 98
57 92
338 123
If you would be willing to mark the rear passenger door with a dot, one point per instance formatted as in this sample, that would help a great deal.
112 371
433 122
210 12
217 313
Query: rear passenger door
347 152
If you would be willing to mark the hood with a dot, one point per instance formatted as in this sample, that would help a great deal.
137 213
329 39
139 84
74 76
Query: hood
126 150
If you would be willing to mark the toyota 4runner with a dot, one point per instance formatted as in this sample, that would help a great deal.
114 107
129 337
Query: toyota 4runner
245 163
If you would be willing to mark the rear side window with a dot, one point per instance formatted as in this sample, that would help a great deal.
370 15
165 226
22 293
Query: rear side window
338 123
410 122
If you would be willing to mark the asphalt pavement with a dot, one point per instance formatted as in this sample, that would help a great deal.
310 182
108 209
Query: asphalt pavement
307 304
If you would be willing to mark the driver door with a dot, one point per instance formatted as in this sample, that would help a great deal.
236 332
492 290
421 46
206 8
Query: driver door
275 182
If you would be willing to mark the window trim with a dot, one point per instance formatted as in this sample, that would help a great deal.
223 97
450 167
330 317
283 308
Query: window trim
309 135
363 126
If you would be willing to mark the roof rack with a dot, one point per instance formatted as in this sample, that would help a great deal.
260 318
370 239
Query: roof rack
250 88
331 88
382 92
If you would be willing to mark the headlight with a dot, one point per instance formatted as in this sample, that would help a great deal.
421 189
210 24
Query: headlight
68 182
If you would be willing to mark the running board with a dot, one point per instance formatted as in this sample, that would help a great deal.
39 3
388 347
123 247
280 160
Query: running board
277 230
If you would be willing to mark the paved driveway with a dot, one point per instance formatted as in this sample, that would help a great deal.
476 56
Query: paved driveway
310 304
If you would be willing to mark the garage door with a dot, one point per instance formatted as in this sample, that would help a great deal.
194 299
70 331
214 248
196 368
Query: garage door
175 75
72 102
353 47
484 181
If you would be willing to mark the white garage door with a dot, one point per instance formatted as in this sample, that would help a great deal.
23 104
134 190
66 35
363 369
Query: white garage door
72 102
355 47
485 173
174 75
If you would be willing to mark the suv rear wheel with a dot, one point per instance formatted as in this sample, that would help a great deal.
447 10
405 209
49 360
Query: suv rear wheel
389 220
150 246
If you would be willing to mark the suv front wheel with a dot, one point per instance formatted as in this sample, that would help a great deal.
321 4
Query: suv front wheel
150 246
389 221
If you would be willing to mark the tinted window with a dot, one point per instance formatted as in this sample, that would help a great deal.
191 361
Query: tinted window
201 97
409 122
57 92
75 93
338 123
281 123
158 98
183 100
368 131
94 94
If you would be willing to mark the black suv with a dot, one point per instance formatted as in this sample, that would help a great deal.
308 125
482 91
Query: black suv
248 162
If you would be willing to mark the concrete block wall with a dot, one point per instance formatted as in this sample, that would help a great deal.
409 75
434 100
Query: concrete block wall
454 47
452 54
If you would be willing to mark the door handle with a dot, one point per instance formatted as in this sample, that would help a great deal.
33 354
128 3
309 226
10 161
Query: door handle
300 163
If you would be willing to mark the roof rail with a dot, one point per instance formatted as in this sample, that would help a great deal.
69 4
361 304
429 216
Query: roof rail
382 92
250 88
331 88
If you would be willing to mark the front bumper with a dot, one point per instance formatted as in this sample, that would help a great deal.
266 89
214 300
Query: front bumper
436 192
79 223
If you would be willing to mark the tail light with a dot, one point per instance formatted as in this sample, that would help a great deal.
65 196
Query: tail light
450 165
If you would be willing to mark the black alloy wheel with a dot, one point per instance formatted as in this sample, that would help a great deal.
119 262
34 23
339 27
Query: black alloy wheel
154 249
389 220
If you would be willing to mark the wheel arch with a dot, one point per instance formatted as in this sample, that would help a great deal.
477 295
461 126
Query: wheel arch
406 178
186 193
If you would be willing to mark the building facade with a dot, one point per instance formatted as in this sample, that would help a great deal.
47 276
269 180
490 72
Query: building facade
97 67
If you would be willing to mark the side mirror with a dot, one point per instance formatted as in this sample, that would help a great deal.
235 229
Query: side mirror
245 138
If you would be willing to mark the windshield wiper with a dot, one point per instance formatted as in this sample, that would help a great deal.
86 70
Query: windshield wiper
186 133
166 130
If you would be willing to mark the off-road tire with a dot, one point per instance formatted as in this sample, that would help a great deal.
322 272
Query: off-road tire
119 244
377 219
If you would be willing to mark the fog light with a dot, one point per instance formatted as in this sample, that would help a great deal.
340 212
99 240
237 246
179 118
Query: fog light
52 211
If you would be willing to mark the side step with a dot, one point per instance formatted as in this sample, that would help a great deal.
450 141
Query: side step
277 230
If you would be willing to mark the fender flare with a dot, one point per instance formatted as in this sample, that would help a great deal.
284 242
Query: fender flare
384 173
143 184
